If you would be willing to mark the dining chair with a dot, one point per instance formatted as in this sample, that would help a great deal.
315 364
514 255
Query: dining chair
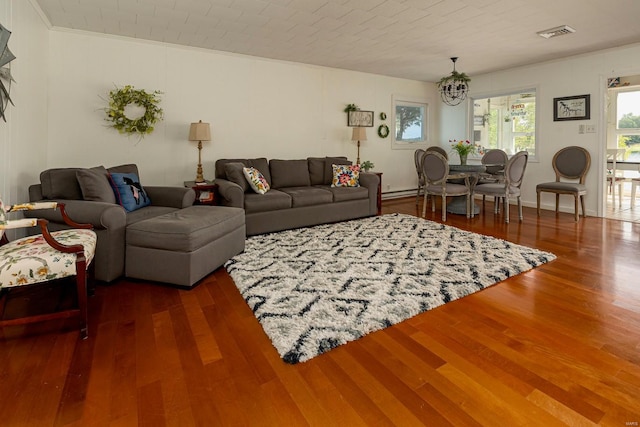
496 160
570 163
509 187
435 169
44 258
417 158
440 150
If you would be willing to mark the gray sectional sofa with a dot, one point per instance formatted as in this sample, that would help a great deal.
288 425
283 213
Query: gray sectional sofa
301 193
168 241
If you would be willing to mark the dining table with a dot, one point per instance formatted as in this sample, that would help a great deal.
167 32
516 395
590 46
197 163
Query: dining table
458 204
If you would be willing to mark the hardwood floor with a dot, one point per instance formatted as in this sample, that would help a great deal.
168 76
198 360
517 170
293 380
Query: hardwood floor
558 345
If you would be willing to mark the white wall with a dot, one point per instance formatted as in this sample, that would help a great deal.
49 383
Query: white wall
23 137
256 107
578 75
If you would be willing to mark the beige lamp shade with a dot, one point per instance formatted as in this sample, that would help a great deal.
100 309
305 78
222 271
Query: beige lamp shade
359 134
200 132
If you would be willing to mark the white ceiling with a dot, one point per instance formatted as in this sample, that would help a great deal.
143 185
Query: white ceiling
411 39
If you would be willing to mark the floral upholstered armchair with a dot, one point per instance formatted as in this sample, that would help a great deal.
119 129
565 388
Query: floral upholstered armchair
43 258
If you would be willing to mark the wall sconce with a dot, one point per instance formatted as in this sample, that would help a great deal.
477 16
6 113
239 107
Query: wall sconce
359 134
199 132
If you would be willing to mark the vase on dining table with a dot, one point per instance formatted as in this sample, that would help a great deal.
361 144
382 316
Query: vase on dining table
463 159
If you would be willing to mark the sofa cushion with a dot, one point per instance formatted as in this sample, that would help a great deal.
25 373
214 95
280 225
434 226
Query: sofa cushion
260 163
328 167
289 173
316 170
233 172
185 230
128 168
256 180
343 194
60 184
346 176
271 201
95 185
128 191
308 196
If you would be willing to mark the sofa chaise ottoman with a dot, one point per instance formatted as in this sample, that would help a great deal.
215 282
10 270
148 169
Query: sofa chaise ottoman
183 246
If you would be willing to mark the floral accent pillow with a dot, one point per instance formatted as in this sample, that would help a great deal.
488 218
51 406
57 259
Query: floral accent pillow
346 176
256 180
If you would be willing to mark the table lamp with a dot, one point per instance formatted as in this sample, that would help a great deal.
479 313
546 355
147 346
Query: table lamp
199 132
359 134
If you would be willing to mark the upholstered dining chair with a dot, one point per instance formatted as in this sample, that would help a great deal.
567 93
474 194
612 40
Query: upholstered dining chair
569 163
509 187
46 257
435 168
417 158
496 160
440 150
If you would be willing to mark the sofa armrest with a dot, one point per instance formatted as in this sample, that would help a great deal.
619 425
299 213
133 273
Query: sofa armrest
99 214
231 194
173 197
371 181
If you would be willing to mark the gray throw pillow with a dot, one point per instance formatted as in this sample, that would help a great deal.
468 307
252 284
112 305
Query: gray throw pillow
95 186
234 173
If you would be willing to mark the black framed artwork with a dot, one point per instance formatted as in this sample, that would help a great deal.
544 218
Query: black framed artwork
572 108
358 118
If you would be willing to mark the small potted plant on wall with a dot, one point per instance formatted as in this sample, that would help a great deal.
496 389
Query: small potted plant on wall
366 165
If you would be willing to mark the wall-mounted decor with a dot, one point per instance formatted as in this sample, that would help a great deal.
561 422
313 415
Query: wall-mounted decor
572 108
383 116
120 117
360 118
478 120
5 71
383 131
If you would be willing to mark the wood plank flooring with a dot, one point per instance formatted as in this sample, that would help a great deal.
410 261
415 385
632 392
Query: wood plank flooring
558 345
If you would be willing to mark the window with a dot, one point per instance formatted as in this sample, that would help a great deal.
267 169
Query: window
410 119
506 121
627 129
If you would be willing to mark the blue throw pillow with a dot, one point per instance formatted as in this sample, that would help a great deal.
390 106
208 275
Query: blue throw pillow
128 191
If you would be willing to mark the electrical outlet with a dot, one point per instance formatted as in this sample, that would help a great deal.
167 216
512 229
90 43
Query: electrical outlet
591 128
580 128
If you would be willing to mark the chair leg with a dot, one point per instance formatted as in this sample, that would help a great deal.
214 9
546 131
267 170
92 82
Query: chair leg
424 205
469 210
538 202
520 209
444 208
81 286
557 201
584 213
418 196
506 210
577 212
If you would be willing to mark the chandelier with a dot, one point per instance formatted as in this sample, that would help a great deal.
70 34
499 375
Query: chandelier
454 88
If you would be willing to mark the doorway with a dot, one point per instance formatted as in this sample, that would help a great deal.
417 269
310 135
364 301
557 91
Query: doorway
622 190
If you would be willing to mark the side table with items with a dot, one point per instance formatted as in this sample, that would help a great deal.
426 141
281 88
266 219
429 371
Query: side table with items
205 192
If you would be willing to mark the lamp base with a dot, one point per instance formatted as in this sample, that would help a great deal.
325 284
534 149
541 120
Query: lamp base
199 177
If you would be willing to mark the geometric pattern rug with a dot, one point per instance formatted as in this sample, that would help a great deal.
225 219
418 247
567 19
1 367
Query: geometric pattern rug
313 289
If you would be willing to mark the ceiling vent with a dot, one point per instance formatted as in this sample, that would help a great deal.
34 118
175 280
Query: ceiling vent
557 31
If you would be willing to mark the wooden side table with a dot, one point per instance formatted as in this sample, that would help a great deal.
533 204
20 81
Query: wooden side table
205 192
379 192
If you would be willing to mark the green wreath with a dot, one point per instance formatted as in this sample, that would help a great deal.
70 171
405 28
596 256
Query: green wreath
383 131
120 98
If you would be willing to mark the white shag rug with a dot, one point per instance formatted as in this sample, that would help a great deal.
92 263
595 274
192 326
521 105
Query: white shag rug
316 288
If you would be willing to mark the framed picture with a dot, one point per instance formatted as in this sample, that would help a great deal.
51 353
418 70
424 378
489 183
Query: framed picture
572 108
478 120
359 118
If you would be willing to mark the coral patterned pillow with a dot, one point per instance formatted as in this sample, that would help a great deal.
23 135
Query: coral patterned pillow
346 176
256 180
